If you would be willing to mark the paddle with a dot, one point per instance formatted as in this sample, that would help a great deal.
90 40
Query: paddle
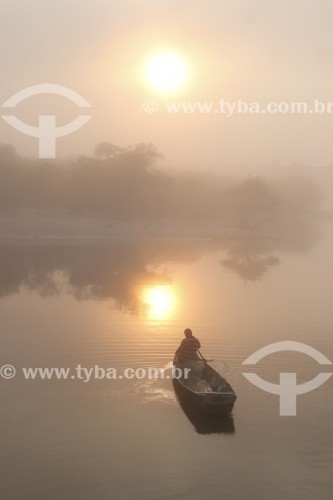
208 360
201 356
204 359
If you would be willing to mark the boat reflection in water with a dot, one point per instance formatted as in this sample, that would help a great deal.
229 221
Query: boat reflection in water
203 422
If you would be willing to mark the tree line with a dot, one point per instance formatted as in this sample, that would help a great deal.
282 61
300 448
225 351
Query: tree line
127 182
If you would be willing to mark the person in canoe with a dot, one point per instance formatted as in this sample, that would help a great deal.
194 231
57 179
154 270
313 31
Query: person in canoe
188 349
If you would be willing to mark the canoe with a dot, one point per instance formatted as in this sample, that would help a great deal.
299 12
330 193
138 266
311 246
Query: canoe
204 422
204 386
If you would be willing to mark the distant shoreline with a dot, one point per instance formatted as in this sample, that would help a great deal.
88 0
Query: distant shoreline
31 228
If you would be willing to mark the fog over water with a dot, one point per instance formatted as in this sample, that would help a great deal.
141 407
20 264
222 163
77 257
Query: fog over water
94 280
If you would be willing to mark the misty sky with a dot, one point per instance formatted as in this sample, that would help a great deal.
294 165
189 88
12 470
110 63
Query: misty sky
250 50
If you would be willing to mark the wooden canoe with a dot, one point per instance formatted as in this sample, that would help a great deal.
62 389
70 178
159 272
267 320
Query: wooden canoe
204 422
205 387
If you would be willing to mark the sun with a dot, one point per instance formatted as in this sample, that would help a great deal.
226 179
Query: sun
166 72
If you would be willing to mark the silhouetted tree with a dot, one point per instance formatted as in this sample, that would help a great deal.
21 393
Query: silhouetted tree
252 201
124 181
105 150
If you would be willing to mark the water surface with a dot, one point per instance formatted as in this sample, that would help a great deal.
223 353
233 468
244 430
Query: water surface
125 304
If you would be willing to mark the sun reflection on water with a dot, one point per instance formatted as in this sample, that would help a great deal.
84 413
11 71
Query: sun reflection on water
160 301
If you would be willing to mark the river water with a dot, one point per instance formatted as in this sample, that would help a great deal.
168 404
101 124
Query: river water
125 304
